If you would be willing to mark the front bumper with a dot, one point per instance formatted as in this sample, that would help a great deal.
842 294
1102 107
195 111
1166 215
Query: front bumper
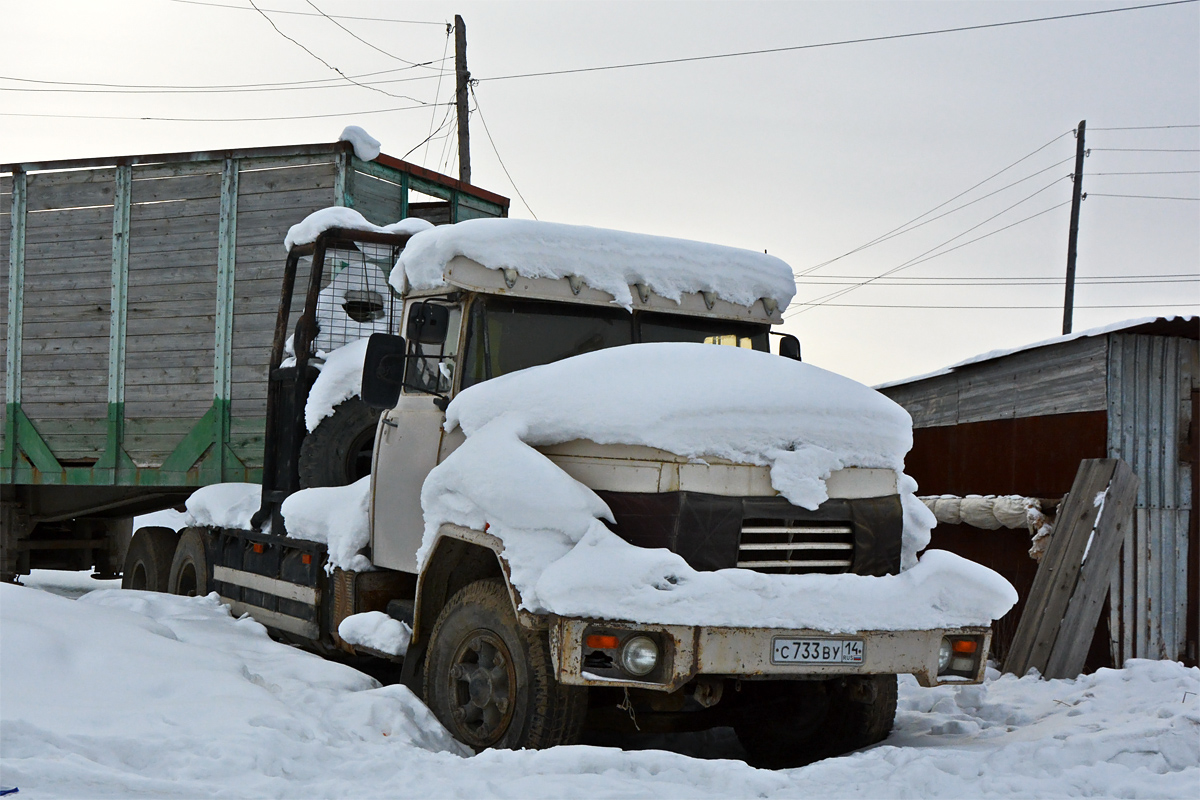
692 651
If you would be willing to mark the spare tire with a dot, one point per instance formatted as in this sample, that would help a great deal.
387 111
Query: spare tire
339 451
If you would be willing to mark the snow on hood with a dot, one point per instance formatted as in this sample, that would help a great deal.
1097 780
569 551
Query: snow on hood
604 259
693 400
366 146
316 223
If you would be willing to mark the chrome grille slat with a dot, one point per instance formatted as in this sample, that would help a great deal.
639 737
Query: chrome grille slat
798 546
789 563
795 547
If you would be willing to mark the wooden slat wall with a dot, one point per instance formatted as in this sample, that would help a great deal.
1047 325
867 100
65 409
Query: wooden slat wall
1058 379
172 305
376 199
68 263
5 232
272 196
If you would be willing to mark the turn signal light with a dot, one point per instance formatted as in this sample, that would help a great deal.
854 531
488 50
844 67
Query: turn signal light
601 642
258 548
306 558
964 645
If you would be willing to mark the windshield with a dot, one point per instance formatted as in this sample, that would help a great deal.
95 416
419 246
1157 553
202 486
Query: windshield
508 335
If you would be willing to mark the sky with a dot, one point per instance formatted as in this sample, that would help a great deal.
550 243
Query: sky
809 154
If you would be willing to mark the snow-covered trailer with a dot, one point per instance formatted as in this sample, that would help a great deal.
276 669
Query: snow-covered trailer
140 299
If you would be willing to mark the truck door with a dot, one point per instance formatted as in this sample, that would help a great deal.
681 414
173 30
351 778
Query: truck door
407 445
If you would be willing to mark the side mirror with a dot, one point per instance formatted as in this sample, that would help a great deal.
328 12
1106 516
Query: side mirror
428 323
383 370
789 347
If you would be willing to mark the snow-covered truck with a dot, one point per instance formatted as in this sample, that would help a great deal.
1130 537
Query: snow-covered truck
580 513
138 298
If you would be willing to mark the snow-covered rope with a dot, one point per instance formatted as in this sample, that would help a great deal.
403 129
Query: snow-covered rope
991 512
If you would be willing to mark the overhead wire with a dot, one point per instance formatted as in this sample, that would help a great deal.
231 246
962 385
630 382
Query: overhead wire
326 63
932 253
497 152
1005 308
216 119
1158 172
1143 150
963 193
307 14
1145 128
364 41
139 88
863 40
437 91
1144 196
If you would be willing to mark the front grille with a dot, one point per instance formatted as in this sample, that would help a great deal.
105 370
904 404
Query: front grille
795 547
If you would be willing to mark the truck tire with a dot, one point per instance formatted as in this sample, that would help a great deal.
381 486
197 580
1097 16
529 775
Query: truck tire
491 682
148 559
338 451
189 568
817 720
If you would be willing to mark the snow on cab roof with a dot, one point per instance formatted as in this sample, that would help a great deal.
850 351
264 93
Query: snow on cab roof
1161 325
607 260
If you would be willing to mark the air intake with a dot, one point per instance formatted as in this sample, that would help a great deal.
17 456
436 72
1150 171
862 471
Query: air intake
792 547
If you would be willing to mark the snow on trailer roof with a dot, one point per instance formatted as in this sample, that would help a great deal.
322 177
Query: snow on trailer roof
607 260
1172 326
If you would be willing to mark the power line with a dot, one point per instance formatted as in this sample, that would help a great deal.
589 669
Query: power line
359 38
880 238
814 46
1147 128
497 152
216 119
445 119
271 22
889 237
134 88
437 92
1144 196
307 14
932 252
1143 150
1163 172
1000 282
1002 308
1050 278
920 260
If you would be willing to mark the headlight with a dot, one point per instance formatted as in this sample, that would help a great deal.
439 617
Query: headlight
639 655
944 653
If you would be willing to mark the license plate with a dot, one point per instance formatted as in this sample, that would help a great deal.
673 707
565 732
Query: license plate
816 651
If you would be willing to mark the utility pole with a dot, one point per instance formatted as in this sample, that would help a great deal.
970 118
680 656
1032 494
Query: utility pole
1076 197
464 80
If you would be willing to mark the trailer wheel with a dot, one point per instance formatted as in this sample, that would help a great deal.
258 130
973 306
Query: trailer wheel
148 559
810 720
491 682
338 451
189 567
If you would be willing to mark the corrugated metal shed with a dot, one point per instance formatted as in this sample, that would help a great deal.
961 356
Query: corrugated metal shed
1141 382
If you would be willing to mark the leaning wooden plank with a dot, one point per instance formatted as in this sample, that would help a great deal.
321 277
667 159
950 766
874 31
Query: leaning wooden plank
1058 573
1099 560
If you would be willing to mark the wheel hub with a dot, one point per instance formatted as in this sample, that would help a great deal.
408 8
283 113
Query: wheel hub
482 681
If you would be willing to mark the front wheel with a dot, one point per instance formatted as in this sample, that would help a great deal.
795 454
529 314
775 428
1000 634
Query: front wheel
491 681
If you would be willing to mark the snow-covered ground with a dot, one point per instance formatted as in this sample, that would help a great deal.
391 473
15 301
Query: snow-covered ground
132 694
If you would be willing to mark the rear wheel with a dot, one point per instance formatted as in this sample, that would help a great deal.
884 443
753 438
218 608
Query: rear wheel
491 681
790 724
148 559
189 567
